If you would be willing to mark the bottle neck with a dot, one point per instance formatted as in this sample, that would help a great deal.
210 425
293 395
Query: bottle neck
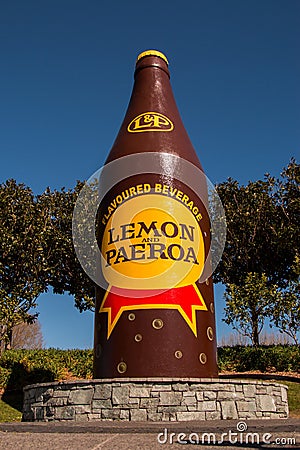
151 62
152 95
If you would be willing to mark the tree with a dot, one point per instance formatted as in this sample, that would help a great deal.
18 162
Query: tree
285 314
22 259
262 245
248 305
251 217
287 198
262 227
27 336
36 251
65 273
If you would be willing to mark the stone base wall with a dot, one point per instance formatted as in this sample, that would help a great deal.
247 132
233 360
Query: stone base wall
155 400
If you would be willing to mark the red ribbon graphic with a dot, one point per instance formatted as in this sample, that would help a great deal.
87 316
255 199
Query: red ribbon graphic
186 299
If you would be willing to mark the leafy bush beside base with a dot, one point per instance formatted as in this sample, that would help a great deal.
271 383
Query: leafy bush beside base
19 368
268 358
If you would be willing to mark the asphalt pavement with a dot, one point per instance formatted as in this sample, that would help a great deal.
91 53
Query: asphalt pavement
207 435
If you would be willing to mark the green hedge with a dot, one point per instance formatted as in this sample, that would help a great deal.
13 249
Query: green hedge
21 367
271 358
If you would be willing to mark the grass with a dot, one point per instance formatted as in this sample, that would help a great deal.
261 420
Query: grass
11 407
293 397
11 403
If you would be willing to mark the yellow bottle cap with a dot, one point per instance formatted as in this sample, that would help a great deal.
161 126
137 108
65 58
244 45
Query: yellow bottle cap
152 53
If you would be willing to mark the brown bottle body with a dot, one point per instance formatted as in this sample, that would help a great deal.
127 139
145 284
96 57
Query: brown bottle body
154 337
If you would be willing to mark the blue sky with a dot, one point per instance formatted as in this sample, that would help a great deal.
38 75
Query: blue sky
66 78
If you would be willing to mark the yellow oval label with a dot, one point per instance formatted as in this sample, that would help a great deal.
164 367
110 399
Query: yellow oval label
150 121
146 246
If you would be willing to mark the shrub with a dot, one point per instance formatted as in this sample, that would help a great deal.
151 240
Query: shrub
19 368
273 358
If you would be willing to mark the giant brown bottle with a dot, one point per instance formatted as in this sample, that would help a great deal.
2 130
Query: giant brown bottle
155 318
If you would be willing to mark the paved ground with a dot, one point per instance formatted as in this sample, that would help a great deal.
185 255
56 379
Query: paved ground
255 434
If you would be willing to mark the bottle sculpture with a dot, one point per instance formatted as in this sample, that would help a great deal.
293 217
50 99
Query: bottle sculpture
156 317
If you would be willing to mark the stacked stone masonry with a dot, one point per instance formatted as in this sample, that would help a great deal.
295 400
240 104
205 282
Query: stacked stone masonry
155 400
